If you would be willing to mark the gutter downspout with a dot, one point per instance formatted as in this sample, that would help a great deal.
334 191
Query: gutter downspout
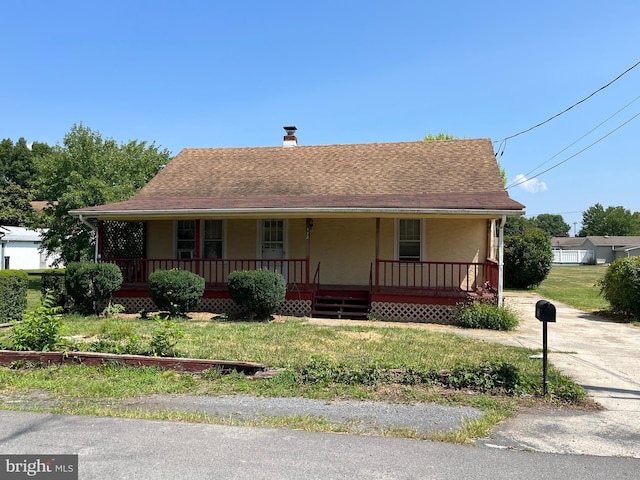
501 261
95 232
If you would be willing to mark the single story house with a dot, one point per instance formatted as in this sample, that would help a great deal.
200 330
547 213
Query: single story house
594 249
20 250
394 231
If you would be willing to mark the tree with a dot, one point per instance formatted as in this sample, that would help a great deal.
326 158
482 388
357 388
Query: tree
518 225
15 205
527 258
84 171
552 224
597 220
18 162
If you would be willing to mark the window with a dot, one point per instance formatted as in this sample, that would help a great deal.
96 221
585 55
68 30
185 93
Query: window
186 238
409 237
213 239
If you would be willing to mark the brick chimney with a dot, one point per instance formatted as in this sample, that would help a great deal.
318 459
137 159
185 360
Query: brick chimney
290 139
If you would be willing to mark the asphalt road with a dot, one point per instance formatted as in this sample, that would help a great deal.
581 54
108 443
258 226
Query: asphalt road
117 448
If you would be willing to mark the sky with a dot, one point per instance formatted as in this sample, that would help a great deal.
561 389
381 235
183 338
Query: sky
197 73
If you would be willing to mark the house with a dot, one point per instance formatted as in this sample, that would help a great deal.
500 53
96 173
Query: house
20 250
608 248
594 249
397 231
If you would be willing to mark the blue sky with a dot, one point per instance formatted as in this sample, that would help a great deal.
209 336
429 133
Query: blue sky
229 74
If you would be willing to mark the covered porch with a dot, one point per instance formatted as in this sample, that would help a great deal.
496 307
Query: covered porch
390 281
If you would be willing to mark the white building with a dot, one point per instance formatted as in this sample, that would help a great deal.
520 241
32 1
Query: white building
20 250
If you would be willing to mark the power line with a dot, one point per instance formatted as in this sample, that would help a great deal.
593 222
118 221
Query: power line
504 140
575 154
583 136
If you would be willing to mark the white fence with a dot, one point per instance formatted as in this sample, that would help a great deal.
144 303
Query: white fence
573 256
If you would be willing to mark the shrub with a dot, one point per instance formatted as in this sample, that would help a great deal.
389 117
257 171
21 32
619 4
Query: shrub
53 284
486 315
620 286
527 259
259 292
13 294
40 329
175 291
89 283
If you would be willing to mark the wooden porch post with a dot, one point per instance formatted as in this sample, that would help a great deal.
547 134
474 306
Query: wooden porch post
377 276
197 246
308 251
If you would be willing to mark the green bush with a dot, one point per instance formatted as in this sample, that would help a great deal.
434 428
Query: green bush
176 291
40 329
620 286
13 294
486 315
259 292
53 284
527 259
90 283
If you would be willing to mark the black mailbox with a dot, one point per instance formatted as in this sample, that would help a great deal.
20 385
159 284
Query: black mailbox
545 311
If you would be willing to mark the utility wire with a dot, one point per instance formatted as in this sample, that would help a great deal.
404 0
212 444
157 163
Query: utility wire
504 140
575 154
583 136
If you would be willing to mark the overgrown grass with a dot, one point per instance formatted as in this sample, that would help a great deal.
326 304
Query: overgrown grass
292 345
575 286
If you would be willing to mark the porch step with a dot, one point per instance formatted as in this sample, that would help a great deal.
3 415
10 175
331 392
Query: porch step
341 304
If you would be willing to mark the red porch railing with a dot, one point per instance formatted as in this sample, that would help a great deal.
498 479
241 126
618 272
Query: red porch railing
434 278
135 271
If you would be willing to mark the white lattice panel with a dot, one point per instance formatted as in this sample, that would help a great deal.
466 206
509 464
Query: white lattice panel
412 312
295 308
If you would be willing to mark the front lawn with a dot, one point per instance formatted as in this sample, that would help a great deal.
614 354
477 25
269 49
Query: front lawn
575 285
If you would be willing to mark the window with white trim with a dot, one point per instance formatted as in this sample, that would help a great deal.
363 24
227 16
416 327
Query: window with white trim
409 239
213 240
186 238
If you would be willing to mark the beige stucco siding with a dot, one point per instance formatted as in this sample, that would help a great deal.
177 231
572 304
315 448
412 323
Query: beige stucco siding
160 239
345 248
451 240
241 238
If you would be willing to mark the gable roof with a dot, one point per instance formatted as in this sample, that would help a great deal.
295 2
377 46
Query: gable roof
623 241
453 175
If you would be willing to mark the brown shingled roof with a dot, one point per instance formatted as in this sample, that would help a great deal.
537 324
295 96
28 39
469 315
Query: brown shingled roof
453 174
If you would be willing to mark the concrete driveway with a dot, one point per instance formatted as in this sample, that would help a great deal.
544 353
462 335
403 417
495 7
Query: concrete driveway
600 355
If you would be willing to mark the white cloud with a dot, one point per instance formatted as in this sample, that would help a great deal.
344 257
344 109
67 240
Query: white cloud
532 185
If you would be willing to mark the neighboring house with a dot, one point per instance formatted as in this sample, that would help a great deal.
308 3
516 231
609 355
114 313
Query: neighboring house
594 249
609 248
570 251
397 231
20 250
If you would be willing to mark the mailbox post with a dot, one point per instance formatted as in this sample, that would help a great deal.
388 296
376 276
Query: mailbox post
545 312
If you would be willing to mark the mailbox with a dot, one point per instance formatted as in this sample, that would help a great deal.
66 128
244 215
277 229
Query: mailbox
545 311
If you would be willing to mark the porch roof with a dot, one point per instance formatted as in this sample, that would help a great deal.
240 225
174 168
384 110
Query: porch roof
446 177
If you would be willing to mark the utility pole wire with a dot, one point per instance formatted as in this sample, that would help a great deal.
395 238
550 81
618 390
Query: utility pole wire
504 140
575 154
583 136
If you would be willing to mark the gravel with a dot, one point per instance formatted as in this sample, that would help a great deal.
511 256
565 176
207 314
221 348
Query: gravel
360 416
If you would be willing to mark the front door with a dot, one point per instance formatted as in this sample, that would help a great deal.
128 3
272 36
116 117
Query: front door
272 245
272 239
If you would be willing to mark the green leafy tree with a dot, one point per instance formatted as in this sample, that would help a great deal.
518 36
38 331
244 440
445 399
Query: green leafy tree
18 162
552 224
518 225
597 220
88 170
527 258
15 205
